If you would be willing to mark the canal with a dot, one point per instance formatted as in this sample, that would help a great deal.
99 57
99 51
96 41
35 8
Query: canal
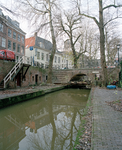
50 122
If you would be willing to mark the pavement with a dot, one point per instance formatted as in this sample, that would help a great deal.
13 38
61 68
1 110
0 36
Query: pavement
106 122
23 90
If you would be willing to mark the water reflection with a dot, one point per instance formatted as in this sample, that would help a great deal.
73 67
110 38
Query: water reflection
50 122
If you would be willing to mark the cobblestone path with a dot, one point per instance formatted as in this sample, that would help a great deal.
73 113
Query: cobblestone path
107 123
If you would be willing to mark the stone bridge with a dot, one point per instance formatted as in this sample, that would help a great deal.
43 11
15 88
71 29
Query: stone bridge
64 76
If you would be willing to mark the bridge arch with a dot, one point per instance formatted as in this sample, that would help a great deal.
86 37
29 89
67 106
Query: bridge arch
79 77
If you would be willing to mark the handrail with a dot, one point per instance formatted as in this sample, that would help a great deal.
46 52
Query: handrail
13 70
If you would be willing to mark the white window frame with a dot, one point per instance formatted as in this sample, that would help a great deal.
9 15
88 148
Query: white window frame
22 38
22 49
47 57
42 56
38 55
18 38
1 27
14 35
59 60
9 46
3 42
13 46
18 48
55 59
9 32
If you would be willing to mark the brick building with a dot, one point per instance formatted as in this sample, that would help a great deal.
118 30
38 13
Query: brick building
11 36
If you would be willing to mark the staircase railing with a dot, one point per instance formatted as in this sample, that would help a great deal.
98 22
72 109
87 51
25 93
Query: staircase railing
14 70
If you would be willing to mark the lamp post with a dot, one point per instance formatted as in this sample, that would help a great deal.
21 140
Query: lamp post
118 46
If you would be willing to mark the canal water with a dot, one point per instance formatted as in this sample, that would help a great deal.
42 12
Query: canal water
50 122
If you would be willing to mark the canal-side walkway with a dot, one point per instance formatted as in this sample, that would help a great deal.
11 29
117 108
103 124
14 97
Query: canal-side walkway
25 90
106 122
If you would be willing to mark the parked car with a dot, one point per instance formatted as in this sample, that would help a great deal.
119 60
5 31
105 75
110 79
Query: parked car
7 55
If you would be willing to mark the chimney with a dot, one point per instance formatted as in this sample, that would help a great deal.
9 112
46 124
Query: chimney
35 34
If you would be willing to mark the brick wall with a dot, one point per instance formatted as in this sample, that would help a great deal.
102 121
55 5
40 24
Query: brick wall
5 67
34 74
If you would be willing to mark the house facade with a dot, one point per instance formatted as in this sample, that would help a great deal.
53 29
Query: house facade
38 50
11 36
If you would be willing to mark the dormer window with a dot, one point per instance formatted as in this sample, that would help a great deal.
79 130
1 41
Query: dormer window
42 45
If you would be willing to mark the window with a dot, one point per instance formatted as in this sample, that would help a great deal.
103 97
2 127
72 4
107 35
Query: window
38 55
42 45
9 32
55 59
35 51
14 46
46 78
14 35
1 27
9 44
18 48
58 59
17 58
47 57
22 39
42 56
32 78
3 42
22 49
42 65
18 37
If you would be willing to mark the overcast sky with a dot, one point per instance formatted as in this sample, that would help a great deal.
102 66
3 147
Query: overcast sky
24 25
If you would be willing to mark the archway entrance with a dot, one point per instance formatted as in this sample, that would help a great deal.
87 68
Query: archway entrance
80 80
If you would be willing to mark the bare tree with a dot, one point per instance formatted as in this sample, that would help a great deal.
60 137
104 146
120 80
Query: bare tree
112 38
41 14
70 26
101 25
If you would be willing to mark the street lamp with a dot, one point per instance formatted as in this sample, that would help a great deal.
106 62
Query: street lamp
118 46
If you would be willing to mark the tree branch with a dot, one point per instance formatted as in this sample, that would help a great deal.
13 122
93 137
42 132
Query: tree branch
35 8
76 28
81 53
91 18
77 39
66 31
115 6
111 20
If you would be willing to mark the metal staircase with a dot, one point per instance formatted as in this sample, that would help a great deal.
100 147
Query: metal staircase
14 71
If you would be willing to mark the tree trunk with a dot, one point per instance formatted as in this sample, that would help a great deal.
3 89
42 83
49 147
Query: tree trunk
73 51
75 62
102 44
49 80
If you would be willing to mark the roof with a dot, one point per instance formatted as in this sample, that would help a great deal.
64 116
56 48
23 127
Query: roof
11 23
30 42
40 43
35 41
47 44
